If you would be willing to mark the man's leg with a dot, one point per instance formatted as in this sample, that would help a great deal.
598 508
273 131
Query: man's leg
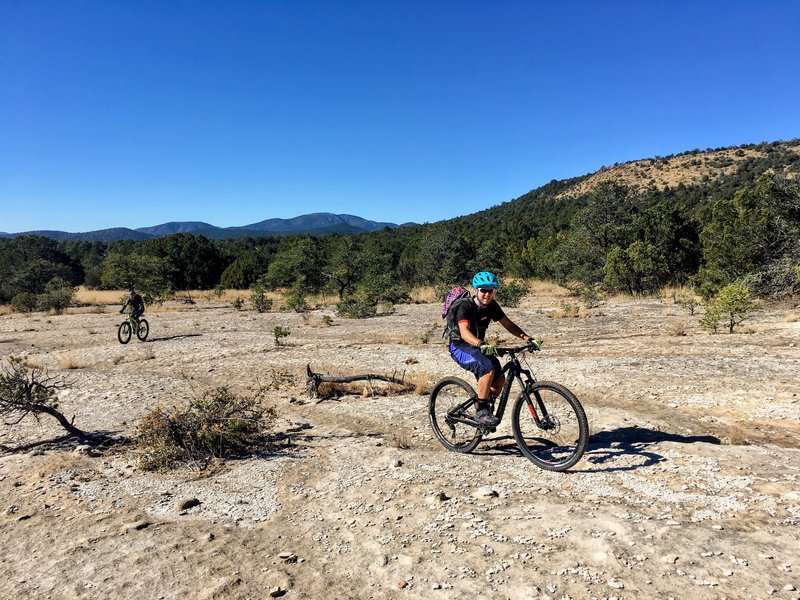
485 385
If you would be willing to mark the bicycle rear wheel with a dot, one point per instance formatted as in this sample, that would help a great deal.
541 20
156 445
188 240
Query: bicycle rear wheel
143 330
452 397
551 430
124 332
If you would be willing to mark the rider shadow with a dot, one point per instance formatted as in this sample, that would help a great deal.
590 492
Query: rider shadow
634 442
607 446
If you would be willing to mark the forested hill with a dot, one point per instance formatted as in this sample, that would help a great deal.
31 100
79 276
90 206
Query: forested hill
703 218
691 179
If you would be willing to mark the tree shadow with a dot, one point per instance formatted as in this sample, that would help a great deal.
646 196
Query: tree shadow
94 442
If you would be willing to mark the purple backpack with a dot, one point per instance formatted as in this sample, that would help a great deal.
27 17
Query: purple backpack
455 295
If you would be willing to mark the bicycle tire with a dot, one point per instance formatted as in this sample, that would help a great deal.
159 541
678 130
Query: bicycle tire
559 442
124 332
143 330
446 395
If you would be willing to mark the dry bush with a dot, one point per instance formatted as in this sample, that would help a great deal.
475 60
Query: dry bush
422 386
147 353
678 328
401 440
69 362
566 310
5 309
218 425
280 379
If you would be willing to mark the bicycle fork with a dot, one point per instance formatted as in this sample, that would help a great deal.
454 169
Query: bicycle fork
540 417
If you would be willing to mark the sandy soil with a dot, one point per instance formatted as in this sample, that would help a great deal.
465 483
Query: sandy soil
689 488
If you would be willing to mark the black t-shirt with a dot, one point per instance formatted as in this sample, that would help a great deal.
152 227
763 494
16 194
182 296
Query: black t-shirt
478 318
135 300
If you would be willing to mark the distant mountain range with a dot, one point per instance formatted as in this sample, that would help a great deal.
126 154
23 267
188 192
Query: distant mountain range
312 224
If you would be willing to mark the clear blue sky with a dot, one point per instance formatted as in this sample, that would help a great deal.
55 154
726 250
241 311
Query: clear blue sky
135 113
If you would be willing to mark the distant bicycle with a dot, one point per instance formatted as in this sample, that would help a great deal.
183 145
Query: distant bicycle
129 325
548 421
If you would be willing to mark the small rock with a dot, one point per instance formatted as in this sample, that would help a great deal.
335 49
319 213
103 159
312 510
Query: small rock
276 592
288 557
789 588
401 583
486 492
186 504
442 497
136 526
670 559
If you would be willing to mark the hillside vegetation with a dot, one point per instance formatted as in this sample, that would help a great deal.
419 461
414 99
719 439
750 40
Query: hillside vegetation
702 218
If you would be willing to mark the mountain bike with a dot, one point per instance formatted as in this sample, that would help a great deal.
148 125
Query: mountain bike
548 421
129 325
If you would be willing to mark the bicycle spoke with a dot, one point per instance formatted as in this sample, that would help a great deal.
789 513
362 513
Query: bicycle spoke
556 438
450 400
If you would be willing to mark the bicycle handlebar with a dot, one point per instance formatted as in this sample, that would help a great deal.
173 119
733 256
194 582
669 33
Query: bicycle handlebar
514 349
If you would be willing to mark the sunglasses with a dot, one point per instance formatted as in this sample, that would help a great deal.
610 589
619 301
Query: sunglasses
487 290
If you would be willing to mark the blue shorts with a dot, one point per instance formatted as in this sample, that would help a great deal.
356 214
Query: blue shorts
474 361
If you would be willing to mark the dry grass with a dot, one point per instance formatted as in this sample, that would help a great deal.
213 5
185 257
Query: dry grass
424 295
87 296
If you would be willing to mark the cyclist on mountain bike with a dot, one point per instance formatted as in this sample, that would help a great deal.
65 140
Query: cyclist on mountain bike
470 349
136 303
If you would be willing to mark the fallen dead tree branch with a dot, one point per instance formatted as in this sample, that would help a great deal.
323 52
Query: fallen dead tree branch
315 379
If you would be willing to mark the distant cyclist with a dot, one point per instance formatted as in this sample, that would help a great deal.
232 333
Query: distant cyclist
470 349
136 303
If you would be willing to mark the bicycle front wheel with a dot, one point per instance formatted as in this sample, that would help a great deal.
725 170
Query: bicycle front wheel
452 397
143 330
550 426
124 332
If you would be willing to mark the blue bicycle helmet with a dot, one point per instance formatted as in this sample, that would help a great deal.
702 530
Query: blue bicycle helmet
485 279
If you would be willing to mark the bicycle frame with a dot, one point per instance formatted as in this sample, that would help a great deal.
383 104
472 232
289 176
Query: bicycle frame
512 371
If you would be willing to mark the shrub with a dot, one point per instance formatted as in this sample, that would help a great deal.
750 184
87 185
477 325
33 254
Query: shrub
24 302
510 294
58 295
296 300
356 308
218 425
687 301
237 303
730 308
280 332
259 298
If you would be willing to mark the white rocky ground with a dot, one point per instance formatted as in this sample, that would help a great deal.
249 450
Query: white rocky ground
689 488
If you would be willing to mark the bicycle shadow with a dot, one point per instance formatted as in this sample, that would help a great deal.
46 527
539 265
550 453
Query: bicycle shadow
627 442
623 444
173 337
